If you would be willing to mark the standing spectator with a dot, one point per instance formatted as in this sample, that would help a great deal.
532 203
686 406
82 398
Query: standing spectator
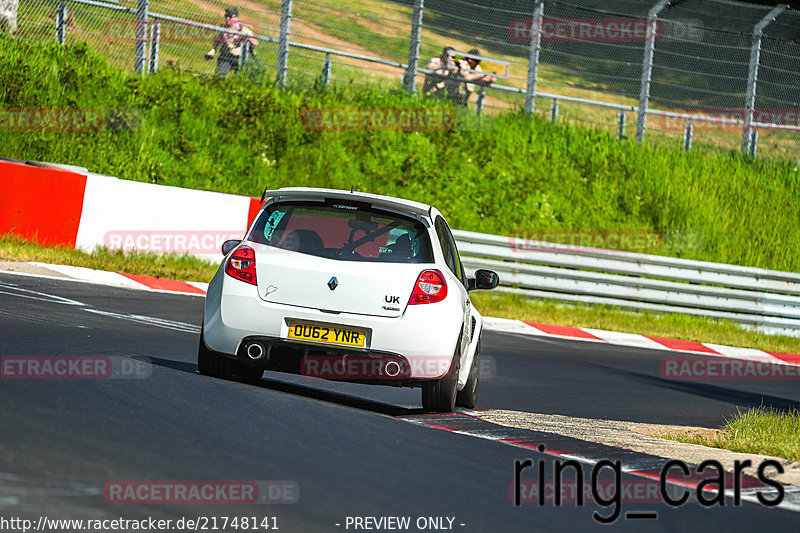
231 45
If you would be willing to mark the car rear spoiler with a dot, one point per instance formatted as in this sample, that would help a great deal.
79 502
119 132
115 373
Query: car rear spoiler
394 204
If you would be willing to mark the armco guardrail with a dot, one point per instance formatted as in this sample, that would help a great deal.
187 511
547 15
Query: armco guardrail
767 300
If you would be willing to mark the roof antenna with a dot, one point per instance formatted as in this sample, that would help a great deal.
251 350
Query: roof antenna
351 189
264 194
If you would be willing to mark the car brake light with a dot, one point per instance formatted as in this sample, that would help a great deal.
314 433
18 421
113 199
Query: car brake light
242 264
429 288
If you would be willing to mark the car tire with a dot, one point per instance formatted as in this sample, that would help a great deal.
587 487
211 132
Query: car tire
211 363
439 396
468 396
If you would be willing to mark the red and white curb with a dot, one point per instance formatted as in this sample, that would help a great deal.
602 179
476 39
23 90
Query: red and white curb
503 325
131 281
638 341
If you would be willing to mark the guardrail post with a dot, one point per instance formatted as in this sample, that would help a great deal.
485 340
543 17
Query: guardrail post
155 40
244 55
410 75
647 68
687 136
283 41
621 125
479 103
554 110
141 36
326 70
533 60
752 75
61 22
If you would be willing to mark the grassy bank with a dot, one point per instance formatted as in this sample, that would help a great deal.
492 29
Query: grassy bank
505 175
764 431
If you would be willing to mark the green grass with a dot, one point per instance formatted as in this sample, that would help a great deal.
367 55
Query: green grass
182 267
512 174
765 431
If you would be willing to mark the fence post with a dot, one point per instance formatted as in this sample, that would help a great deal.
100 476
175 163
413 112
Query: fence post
326 70
141 36
61 23
752 75
621 125
244 55
647 67
283 41
479 102
687 136
155 41
410 75
554 110
533 60
752 148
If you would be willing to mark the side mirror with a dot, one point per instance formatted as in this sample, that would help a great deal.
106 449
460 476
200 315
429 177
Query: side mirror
484 279
227 246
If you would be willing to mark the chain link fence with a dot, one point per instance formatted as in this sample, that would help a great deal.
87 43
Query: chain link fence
696 73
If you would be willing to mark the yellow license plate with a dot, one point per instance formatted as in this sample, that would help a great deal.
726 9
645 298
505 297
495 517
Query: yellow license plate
327 334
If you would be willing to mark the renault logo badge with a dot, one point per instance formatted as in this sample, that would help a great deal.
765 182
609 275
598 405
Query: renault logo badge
333 283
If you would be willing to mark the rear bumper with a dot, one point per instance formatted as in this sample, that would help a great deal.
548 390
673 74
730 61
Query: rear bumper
421 342
331 363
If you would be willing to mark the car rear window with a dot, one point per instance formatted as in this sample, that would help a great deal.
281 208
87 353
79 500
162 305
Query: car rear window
344 231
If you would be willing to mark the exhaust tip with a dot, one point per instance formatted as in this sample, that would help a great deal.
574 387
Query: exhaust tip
255 351
392 368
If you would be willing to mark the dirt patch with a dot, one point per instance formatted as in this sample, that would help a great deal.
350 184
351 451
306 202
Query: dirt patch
27 268
641 438
685 432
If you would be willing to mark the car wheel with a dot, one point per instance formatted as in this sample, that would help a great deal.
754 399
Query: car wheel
439 396
211 363
468 396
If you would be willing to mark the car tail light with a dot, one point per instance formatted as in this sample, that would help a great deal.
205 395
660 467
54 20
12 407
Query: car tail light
429 288
242 264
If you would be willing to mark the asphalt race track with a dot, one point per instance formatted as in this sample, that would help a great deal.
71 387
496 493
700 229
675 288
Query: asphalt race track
349 450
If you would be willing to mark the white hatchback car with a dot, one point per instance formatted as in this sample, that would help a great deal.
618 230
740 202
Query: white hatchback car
347 286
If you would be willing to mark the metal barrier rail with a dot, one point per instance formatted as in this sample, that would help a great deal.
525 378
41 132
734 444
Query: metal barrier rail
768 300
